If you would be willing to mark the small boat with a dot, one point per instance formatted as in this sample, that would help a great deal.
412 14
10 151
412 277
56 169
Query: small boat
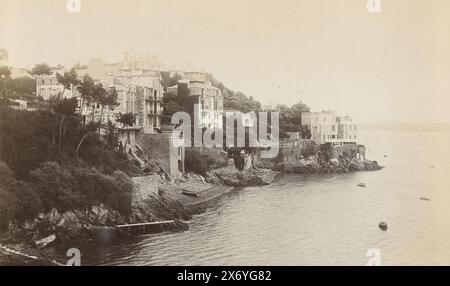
424 199
189 193
383 225
362 185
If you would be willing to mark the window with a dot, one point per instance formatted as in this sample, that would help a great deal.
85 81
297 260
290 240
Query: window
180 166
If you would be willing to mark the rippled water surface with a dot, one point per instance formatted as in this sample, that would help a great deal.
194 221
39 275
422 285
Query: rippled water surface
319 219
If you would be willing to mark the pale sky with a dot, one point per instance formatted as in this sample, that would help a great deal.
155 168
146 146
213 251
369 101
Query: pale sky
331 54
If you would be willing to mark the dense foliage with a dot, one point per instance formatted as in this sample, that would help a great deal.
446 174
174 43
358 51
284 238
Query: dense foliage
200 161
63 188
235 100
49 159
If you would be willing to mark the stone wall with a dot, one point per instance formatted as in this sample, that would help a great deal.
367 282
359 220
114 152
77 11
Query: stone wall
161 147
291 151
347 150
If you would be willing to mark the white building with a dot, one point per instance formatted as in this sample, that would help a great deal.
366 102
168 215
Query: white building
346 130
210 99
140 95
327 127
48 86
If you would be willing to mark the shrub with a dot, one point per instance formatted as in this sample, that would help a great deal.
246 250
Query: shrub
55 187
310 149
194 162
17 200
95 188
28 202
201 161
7 197
120 196
80 187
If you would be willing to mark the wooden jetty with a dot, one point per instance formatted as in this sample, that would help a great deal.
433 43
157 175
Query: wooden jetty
151 227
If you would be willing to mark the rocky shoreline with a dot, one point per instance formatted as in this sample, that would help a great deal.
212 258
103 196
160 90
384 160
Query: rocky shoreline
175 200
21 244
312 167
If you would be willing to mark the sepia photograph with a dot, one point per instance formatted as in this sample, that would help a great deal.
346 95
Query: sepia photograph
247 133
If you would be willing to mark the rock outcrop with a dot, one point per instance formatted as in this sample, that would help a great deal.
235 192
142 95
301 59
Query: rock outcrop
312 167
250 177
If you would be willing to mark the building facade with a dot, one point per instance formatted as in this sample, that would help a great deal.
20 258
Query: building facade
140 95
346 130
210 99
327 127
48 86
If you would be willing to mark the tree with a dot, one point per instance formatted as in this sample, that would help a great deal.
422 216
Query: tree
65 108
170 108
183 90
41 69
106 98
296 112
306 132
87 89
126 119
68 80
5 77
168 80
94 93
23 86
5 72
291 117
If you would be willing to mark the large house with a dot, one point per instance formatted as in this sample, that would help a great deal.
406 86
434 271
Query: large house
48 86
210 99
139 92
138 83
327 127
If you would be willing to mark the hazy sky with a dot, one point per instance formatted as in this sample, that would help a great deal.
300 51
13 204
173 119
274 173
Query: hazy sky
332 54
